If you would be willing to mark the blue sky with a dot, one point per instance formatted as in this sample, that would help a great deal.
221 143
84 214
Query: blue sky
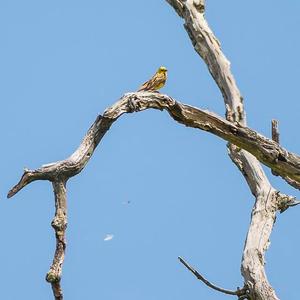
64 62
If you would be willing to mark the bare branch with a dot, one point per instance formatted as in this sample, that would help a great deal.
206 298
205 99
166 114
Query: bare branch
208 47
238 292
267 151
246 148
275 137
59 224
27 177
71 166
59 172
275 131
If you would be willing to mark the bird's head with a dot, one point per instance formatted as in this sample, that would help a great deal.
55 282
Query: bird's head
162 70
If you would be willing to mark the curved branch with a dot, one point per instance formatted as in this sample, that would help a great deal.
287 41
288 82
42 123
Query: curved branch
267 151
238 292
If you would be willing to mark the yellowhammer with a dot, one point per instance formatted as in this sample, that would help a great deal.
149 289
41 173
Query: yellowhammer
157 81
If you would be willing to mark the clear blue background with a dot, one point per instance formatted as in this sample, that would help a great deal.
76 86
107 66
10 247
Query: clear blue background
64 62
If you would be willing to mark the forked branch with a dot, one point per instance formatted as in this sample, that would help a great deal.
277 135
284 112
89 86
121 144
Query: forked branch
246 148
268 199
59 172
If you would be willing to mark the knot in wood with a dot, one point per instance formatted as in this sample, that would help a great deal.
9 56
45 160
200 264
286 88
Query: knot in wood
229 113
199 5
59 222
207 126
132 104
243 293
281 156
233 130
52 277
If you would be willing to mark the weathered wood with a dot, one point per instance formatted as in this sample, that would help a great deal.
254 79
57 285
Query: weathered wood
275 136
263 148
59 225
267 151
209 48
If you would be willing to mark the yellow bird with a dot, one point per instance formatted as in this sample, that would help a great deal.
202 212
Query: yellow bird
157 81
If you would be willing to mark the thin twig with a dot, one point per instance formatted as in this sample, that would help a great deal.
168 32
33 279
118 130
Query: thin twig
238 292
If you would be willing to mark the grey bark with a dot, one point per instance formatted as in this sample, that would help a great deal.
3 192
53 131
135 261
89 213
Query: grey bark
59 224
263 214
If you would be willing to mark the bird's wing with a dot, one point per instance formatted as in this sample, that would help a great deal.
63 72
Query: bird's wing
146 85
153 83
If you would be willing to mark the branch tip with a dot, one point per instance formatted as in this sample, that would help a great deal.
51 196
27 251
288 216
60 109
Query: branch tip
275 131
275 137
291 203
27 177
239 292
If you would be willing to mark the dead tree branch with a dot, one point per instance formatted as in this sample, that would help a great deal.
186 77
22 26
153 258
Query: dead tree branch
275 131
238 292
275 137
267 151
59 172
246 149
267 198
59 225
